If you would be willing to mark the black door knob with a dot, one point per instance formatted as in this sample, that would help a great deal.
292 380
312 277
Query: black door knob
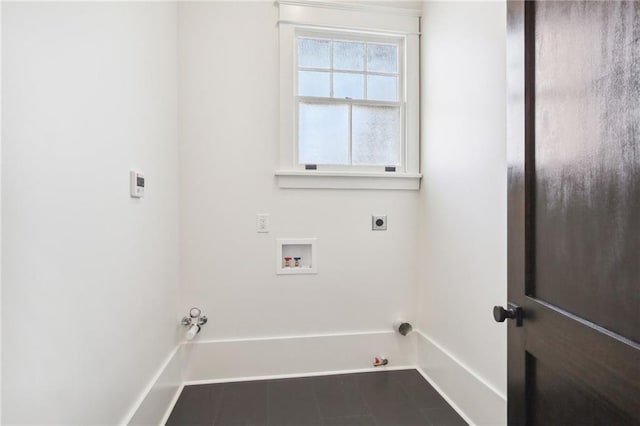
512 312
500 314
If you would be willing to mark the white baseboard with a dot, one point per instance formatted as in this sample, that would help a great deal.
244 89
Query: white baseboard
299 375
159 397
218 361
472 397
294 356
171 405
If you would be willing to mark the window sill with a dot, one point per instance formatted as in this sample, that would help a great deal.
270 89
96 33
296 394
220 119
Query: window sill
347 180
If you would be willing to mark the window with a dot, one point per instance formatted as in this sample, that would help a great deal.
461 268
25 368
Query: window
349 97
349 100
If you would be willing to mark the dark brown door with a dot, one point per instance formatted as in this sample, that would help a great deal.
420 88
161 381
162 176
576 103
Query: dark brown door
574 212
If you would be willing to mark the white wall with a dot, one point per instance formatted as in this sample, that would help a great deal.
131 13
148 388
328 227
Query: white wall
462 272
90 91
228 109
90 277
1 7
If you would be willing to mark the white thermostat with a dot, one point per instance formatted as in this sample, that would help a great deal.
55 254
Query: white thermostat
137 184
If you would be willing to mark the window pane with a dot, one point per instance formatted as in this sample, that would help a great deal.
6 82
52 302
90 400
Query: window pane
313 83
313 53
323 134
382 58
382 88
348 85
376 135
348 56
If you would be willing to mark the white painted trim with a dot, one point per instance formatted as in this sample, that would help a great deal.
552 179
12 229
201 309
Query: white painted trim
347 180
476 400
1 156
310 353
354 18
294 356
382 175
362 30
296 336
136 408
280 252
301 14
446 397
401 349
353 6
298 375
172 405
463 365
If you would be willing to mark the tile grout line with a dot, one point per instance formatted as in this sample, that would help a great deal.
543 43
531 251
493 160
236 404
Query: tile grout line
315 398
268 393
218 407
371 413
412 399
369 410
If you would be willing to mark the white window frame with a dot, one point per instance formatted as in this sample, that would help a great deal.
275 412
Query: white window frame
342 20
400 103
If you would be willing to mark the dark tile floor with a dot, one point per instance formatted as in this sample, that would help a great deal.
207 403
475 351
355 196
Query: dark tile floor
385 398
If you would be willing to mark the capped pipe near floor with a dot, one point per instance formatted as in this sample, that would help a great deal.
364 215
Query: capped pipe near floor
380 361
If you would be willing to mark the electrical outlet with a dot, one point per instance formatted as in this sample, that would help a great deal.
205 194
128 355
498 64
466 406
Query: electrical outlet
378 223
262 223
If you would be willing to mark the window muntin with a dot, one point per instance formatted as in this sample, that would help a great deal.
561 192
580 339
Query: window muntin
349 101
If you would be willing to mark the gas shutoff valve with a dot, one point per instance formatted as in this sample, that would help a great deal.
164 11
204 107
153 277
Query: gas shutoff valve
195 320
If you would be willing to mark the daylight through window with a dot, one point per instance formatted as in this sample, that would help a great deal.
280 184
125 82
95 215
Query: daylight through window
349 100
349 95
